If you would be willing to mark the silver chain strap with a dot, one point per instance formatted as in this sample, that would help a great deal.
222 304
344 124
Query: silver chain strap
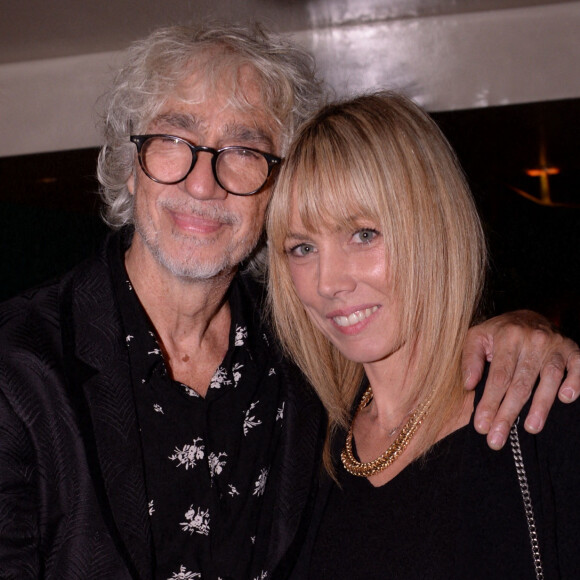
523 481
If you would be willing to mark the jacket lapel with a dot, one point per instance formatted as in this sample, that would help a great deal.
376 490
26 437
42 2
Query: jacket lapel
299 465
100 385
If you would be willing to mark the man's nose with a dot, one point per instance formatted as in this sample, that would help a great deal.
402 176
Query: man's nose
201 182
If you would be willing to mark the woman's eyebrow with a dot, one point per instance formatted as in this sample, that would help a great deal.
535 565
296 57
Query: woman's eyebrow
297 236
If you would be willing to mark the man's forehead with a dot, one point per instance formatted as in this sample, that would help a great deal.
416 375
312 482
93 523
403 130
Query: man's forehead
241 128
223 86
229 109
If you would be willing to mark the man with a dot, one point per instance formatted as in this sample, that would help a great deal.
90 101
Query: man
124 453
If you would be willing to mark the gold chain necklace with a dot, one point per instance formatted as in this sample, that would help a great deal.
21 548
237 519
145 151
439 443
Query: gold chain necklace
362 469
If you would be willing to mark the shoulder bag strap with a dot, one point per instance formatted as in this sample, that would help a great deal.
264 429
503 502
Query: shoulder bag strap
523 481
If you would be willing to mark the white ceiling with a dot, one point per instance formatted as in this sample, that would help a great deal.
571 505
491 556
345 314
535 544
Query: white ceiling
41 29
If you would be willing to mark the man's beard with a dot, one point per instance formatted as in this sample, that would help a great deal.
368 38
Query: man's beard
196 267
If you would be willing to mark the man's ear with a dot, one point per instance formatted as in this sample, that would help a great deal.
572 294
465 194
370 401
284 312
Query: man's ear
131 183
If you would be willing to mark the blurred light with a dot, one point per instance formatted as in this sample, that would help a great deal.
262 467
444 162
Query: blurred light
542 171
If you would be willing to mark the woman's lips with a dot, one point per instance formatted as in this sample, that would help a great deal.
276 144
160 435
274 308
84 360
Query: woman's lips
354 318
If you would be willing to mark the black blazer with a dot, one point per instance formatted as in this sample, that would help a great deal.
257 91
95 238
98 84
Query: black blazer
72 493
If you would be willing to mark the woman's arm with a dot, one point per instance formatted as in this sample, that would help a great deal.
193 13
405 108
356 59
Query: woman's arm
520 346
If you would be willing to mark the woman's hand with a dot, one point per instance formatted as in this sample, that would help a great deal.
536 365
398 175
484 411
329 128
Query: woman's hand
519 346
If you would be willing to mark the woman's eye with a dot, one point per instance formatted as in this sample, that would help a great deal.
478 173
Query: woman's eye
365 236
301 250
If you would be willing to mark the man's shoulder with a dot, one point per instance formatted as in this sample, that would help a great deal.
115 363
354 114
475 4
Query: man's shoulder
38 309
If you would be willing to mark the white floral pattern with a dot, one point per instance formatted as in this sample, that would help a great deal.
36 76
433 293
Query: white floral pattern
189 391
260 484
241 335
184 574
220 379
280 412
236 373
189 455
250 421
216 463
197 521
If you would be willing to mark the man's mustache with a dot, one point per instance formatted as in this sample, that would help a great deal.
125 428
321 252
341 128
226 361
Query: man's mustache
202 210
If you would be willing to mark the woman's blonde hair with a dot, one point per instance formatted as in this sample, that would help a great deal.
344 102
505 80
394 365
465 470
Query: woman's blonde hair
379 156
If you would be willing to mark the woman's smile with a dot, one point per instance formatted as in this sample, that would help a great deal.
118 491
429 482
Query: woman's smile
350 320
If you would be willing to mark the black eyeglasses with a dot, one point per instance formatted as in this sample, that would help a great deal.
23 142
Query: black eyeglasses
169 160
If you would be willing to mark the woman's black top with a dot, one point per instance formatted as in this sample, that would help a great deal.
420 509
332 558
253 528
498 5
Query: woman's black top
456 514
403 529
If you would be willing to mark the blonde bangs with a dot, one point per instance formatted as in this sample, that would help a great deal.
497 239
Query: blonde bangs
330 187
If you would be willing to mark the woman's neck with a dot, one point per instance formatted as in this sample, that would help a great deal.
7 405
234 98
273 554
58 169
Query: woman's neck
379 424
391 379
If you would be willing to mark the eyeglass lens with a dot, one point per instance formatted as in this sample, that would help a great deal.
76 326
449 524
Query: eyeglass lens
238 171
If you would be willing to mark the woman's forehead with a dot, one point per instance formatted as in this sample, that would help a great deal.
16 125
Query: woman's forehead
327 212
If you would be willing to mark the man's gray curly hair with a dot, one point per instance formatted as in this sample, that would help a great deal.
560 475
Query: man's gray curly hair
156 65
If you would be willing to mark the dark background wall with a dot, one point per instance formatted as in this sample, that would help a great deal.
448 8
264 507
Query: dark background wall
49 216
534 245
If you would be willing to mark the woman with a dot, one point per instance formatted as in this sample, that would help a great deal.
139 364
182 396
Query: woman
377 261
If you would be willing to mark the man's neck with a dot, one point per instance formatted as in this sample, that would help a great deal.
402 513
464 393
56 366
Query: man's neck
191 317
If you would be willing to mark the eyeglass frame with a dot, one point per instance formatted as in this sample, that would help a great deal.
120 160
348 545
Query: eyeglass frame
140 140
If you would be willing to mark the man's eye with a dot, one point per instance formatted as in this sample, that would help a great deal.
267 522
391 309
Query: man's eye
365 236
244 153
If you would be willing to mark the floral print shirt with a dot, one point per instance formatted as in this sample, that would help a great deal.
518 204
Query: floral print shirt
208 461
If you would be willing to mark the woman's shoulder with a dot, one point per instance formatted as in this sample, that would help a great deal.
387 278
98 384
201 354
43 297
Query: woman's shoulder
561 433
